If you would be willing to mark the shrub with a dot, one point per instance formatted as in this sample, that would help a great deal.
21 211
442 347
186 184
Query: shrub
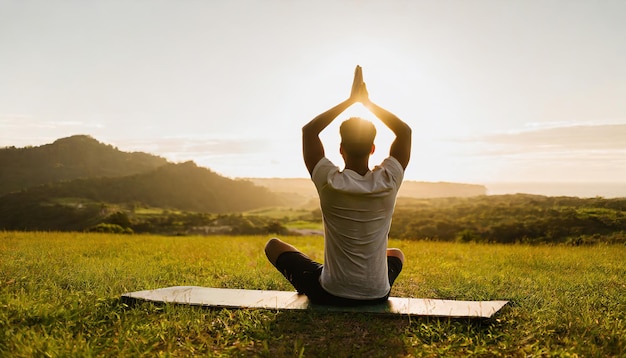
110 229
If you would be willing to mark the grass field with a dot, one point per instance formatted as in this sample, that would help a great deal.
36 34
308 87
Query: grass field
59 296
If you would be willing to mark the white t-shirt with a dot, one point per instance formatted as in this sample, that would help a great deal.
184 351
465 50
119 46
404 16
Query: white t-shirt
357 214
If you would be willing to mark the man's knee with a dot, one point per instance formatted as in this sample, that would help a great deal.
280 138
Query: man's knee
275 247
271 243
271 248
396 253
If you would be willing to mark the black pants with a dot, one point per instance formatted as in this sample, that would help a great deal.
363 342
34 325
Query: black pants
304 273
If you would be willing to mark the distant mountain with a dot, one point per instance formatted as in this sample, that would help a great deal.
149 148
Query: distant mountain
73 183
420 189
57 182
410 189
78 156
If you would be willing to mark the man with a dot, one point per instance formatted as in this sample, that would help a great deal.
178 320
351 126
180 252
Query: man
357 204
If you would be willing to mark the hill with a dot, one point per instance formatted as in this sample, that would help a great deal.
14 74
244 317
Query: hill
75 157
76 182
81 203
424 190
81 167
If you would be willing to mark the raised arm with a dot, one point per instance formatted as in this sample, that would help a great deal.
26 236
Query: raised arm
401 146
312 147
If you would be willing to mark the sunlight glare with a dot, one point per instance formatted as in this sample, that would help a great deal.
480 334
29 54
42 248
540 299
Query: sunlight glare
407 88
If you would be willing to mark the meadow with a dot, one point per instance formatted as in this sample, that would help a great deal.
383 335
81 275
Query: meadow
59 296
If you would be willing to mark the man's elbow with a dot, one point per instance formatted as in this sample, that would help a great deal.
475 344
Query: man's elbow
404 133
309 131
407 130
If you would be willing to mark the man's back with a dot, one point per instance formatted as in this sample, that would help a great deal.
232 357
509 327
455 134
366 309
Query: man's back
357 214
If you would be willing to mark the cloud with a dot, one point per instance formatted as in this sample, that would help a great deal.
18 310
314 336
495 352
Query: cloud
23 121
560 153
590 139
246 157
22 130
194 147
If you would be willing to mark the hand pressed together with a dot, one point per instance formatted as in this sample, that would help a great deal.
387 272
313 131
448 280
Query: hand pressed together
359 90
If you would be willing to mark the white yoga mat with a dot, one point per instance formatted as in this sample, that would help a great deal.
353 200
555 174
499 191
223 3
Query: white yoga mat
289 300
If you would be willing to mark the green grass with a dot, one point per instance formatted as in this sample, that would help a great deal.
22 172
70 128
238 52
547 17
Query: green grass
301 224
59 296
149 211
280 213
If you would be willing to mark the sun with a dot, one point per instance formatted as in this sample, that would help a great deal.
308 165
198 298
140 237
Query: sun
407 88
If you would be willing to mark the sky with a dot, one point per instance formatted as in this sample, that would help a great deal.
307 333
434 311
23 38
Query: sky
495 91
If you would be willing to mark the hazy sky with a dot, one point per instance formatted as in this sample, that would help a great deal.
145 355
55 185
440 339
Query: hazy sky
494 90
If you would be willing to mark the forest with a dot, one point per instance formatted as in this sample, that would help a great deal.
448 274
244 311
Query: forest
520 218
508 219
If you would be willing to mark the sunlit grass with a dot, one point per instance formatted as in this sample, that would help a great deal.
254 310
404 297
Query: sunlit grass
280 213
301 224
148 211
59 295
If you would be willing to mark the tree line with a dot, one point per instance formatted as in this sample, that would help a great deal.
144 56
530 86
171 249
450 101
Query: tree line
519 218
508 219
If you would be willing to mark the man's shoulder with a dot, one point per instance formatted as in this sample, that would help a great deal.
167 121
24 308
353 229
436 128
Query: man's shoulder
392 162
322 168
393 166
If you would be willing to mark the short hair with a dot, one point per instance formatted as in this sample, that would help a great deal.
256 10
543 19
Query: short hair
357 136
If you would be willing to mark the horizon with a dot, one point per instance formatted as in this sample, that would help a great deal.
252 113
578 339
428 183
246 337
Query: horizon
229 85
606 189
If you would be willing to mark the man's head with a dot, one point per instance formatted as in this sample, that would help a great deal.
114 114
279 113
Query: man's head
357 137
